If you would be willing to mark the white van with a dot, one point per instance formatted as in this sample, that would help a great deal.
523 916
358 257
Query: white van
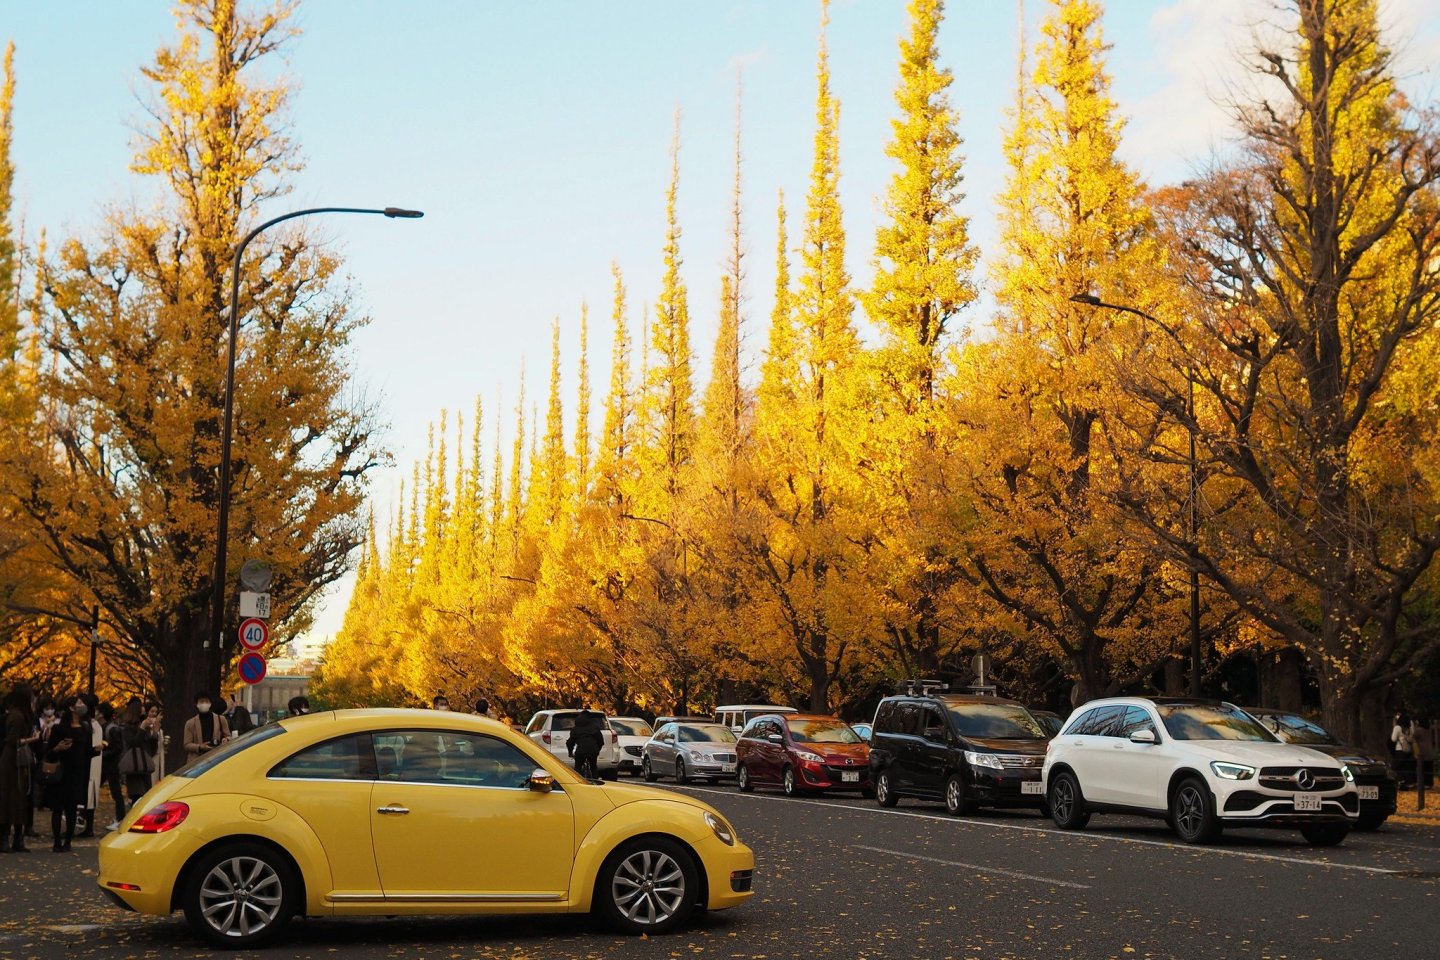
737 716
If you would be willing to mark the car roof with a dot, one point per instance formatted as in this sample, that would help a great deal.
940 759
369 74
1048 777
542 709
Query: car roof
767 707
809 716
955 698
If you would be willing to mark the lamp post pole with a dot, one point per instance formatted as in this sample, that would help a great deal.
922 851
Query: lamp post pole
1193 498
214 657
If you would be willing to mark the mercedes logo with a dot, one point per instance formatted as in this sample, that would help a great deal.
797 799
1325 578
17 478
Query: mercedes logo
1304 779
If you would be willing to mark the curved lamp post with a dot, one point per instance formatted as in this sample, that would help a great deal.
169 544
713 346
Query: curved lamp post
1090 300
222 521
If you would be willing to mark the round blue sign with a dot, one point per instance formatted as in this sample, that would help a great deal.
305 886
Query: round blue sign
251 668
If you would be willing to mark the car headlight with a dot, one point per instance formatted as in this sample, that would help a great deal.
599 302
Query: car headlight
1349 774
810 757
1232 771
720 828
983 760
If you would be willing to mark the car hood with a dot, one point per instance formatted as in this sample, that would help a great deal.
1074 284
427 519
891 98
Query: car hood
839 752
1259 753
625 740
1345 754
623 793
1027 748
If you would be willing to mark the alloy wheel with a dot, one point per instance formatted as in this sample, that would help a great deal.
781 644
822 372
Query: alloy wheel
1062 800
954 800
649 887
241 896
1189 811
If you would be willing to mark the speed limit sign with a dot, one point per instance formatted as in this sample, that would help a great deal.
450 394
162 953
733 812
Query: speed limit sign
254 634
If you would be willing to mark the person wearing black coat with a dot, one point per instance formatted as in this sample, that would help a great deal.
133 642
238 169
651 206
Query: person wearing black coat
587 738
139 743
71 745
15 765
110 761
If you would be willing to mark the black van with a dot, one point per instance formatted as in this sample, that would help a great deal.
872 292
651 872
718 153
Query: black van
969 751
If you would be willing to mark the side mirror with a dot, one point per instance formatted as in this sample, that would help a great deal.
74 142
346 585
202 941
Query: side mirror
540 781
775 738
1142 736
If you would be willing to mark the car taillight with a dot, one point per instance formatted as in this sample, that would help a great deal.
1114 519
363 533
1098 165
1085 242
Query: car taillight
166 816
545 737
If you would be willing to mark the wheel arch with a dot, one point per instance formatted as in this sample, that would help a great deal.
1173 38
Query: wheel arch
698 865
182 878
1179 777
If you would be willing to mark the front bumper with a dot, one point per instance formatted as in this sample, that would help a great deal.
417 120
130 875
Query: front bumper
1383 805
729 874
814 776
1003 788
1260 807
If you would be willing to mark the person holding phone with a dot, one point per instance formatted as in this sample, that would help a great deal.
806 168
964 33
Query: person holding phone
66 769
206 730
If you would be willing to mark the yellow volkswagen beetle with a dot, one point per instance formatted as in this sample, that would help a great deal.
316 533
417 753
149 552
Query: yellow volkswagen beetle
404 812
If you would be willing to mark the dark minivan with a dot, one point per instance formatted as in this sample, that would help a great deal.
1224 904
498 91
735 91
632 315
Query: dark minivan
969 751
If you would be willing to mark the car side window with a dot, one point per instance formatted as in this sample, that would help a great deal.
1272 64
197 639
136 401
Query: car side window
666 733
455 758
752 731
344 758
883 718
933 725
1081 726
1136 718
1108 721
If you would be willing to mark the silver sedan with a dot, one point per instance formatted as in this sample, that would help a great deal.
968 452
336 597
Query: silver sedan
689 751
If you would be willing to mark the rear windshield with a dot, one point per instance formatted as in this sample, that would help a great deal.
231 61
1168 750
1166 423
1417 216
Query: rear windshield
631 728
228 749
1206 721
995 721
821 731
711 733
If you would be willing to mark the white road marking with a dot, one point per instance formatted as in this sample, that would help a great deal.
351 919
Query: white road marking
974 866
1064 834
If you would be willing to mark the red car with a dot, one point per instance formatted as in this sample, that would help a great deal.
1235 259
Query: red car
801 753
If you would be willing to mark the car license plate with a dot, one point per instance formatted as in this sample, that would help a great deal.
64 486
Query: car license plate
727 768
1032 787
1369 793
850 776
1307 802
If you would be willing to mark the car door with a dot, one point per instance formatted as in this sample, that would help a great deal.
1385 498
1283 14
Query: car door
662 750
932 750
1135 768
1097 759
771 754
455 821
905 746
328 785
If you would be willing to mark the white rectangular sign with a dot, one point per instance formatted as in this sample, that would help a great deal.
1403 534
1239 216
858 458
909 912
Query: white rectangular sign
255 605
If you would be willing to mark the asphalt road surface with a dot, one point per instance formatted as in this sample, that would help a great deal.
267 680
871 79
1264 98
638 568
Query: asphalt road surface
842 878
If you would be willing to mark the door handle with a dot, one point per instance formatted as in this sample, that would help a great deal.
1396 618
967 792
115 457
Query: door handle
397 811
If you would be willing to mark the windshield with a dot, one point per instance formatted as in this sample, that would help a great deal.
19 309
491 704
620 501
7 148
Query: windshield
1211 721
822 731
631 728
995 721
229 748
711 733
1293 729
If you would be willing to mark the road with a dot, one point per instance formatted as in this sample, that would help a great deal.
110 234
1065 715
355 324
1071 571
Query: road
842 878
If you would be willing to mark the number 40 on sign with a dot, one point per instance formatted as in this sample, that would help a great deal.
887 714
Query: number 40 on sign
254 634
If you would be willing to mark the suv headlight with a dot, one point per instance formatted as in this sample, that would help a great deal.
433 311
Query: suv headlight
1349 774
720 828
983 760
1232 771
811 757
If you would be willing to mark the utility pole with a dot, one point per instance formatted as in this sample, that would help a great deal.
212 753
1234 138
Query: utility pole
94 643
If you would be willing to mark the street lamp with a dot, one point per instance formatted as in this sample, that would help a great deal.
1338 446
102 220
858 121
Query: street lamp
1090 300
222 520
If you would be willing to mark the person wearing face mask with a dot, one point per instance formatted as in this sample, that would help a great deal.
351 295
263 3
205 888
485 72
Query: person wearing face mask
441 702
206 730
298 706
16 750
68 748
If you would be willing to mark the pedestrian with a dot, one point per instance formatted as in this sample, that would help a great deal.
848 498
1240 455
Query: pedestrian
16 761
206 730
441 702
298 706
586 739
155 719
89 703
46 714
241 722
111 748
482 708
1400 746
139 742
66 768
1422 742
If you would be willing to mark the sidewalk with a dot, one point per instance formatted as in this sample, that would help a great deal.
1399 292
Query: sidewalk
1406 812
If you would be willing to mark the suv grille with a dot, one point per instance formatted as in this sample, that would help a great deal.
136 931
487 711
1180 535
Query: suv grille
1304 779
1012 761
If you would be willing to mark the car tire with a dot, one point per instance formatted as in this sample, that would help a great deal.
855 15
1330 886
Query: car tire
1325 834
742 780
626 904
885 790
647 771
1067 802
955 803
681 777
257 881
788 783
1371 823
1192 812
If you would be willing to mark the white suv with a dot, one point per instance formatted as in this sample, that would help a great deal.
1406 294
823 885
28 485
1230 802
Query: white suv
551 730
1200 764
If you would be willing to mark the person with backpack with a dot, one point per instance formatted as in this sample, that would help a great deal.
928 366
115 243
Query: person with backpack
139 743
586 739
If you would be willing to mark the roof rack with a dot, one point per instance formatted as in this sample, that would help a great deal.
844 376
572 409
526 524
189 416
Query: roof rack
921 688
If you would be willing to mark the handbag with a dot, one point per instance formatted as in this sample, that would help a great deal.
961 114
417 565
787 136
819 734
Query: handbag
24 756
50 771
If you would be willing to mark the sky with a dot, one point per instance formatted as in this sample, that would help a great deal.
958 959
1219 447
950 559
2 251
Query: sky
535 137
